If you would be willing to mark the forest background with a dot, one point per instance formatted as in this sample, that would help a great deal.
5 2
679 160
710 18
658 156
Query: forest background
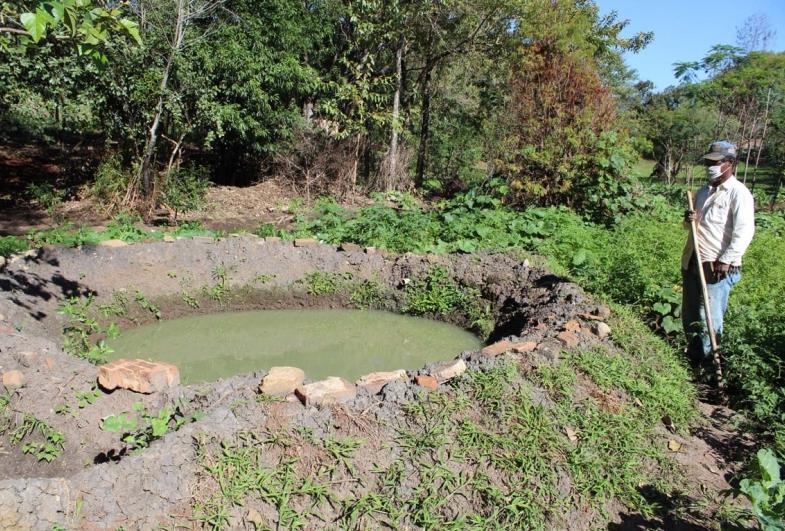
474 124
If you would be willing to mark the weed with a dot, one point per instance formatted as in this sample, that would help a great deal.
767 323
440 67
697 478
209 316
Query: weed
219 291
80 327
189 300
118 306
765 490
319 283
146 305
49 445
437 294
12 244
86 398
366 294
150 426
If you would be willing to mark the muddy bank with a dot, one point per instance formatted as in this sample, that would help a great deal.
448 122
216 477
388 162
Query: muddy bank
99 480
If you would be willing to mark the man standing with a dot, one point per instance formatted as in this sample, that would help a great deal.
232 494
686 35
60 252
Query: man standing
725 218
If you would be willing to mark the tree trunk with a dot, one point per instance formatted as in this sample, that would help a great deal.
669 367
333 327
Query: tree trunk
762 138
148 155
392 170
422 150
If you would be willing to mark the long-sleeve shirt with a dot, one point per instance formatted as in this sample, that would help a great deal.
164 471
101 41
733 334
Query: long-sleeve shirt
726 223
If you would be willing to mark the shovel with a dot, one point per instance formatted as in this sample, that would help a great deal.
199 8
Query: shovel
706 307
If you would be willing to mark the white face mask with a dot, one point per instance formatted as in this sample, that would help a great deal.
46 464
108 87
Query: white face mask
714 172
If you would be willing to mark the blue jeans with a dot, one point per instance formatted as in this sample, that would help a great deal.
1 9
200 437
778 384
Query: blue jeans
693 315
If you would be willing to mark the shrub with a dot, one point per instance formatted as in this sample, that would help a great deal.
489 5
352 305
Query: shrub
184 189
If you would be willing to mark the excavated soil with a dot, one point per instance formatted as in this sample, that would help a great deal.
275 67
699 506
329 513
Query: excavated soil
97 484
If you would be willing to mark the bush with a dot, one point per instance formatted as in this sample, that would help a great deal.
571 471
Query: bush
111 185
184 189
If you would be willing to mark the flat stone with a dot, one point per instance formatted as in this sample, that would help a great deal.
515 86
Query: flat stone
572 325
500 347
329 391
113 243
429 382
568 339
449 370
137 375
26 359
13 379
522 347
601 330
168 238
304 242
350 247
376 380
281 381
549 351
272 239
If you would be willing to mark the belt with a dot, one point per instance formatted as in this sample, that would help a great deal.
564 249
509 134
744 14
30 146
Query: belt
708 267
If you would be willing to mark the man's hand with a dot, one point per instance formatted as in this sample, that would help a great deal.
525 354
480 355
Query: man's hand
690 216
721 267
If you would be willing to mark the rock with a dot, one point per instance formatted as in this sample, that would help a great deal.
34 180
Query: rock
26 359
396 391
6 330
572 325
304 242
370 250
603 312
376 380
448 370
350 248
522 347
549 351
500 347
256 518
329 391
138 375
568 339
168 238
2 261
13 379
429 382
272 239
112 243
601 330
281 381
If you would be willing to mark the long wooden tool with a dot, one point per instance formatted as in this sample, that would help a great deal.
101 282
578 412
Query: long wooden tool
706 306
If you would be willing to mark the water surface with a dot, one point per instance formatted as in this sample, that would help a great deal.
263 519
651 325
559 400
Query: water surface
323 343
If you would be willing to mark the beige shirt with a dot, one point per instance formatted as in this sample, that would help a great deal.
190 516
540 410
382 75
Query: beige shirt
726 223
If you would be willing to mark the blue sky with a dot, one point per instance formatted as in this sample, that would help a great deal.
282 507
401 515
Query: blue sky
684 30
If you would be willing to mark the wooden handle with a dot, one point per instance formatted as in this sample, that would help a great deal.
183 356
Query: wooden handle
706 305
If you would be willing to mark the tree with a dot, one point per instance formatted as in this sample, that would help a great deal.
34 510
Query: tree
755 33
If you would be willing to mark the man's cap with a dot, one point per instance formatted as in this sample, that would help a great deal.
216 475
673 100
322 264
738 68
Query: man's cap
721 150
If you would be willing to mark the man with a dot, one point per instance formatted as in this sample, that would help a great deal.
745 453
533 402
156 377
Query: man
726 222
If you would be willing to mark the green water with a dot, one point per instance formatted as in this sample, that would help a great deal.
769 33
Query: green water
323 343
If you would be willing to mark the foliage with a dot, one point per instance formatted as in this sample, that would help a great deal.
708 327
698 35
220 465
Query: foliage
81 327
438 294
151 426
12 244
89 26
49 444
184 189
765 490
